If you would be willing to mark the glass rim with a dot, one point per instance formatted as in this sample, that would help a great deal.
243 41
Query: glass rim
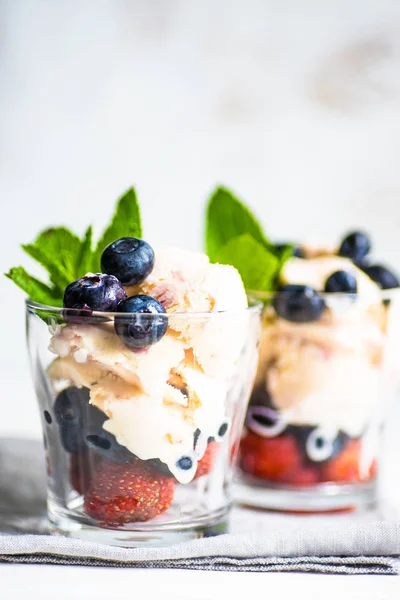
255 306
269 295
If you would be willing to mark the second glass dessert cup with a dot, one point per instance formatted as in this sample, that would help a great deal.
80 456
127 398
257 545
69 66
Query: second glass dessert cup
141 444
313 428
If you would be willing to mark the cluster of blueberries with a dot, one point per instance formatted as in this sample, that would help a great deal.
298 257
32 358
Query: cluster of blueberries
80 426
127 261
302 304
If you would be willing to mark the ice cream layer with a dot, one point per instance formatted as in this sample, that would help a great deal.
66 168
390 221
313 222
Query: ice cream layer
163 427
314 272
158 398
105 352
184 281
326 372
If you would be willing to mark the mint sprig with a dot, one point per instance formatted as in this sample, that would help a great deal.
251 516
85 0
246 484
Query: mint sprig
66 257
234 236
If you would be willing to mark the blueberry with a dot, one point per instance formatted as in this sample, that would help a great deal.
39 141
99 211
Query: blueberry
298 303
94 292
80 425
341 281
68 408
185 463
146 326
68 405
382 276
297 251
100 440
129 259
356 246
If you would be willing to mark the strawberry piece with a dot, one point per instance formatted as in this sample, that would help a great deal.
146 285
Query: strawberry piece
126 493
345 467
304 477
204 465
274 459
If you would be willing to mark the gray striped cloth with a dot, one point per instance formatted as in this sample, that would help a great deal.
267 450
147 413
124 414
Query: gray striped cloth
258 541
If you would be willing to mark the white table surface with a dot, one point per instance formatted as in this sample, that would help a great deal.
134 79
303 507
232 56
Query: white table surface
61 582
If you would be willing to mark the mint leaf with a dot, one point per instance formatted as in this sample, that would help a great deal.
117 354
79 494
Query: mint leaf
126 222
85 256
257 265
57 276
36 290
227 218
57 250
67 258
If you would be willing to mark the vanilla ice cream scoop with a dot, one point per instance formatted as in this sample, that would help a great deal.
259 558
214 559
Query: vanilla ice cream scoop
315 272
325 372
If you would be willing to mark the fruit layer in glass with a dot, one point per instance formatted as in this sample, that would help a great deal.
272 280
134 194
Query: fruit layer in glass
327 371
142 407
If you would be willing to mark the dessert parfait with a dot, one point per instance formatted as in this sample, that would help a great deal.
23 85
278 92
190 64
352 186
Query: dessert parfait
142 376
328 368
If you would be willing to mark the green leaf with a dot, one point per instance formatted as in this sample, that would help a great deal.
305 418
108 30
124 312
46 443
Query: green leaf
36 290
227 218
257 265
56 273
57 249
85 256
126 222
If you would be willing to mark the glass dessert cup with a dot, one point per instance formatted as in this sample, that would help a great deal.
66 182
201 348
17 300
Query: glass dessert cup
141 444
314 423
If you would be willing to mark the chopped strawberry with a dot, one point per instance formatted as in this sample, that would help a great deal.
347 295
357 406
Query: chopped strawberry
304 476
205 464
126 493
345 467
274 459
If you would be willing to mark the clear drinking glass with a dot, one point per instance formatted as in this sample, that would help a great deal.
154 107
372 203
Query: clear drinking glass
141 444
313 427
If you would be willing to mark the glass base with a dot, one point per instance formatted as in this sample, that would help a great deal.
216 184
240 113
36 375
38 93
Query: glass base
327 497
136 535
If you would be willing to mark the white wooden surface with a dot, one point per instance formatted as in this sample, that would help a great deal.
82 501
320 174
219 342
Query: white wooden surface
62 583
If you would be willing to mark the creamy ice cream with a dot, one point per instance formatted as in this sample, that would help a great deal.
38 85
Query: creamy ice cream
327 360
167 400
344 346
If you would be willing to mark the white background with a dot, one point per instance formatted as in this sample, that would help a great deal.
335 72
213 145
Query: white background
294 104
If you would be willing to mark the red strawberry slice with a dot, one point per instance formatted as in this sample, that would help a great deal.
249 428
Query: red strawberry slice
126 493
276 459
204 465
345 467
